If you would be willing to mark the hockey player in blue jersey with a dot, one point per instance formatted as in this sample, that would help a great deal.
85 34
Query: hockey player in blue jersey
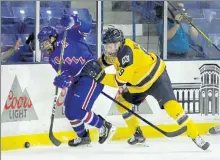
82 90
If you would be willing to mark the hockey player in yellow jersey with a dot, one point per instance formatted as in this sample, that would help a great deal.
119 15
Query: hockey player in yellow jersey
140 73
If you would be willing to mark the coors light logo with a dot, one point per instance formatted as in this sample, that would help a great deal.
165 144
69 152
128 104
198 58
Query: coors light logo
18 106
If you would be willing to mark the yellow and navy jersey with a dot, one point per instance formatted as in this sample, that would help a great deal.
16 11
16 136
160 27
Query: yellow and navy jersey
135 67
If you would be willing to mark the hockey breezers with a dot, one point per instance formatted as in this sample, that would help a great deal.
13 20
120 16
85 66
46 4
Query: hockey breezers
167 134
53 139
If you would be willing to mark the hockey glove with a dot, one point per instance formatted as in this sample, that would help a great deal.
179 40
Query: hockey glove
67 21
70 21
76 19
64 80
94 70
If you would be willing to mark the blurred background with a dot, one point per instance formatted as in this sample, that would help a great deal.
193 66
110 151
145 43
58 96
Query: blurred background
142 21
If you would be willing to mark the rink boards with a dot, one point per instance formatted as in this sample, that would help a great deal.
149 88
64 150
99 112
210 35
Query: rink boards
27 94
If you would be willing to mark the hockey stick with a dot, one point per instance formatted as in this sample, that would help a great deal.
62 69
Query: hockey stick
203 34
53 139
167 134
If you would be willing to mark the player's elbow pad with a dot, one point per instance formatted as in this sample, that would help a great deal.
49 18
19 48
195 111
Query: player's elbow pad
93 70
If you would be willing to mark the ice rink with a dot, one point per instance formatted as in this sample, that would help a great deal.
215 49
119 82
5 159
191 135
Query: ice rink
180 148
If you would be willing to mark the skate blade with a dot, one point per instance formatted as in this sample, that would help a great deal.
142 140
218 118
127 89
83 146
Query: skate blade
85 145
145 144
214 131
88 145
81 146
213 134
142 144
111 134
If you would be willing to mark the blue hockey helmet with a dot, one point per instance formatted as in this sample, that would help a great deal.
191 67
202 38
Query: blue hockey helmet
46 33
46 40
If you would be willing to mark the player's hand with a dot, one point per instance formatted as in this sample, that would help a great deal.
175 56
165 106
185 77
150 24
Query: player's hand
76 19
93 70
178 18
67 21
63 81
17 44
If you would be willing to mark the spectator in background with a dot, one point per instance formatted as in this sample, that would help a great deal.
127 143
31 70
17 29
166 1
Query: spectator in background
179 34
22 54
10 52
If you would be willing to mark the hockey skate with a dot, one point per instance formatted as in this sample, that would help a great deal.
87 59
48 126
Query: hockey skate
138 138
215 130
106 132
201 143
80 141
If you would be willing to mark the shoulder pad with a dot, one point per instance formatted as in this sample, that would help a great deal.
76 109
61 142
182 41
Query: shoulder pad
125 56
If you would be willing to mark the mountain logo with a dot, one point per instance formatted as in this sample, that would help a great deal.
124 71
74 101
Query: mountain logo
18 106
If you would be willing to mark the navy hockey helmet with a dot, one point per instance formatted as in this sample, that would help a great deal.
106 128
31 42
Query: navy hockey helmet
112 35
44 37
46 33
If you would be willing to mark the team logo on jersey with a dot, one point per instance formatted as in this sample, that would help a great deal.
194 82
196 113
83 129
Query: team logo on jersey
70 60
80 59
57 60
125 59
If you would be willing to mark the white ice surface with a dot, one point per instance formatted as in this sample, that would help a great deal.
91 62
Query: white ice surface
180 148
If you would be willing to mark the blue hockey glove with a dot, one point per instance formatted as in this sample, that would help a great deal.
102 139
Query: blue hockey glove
64 80
76 19
67 21
70 21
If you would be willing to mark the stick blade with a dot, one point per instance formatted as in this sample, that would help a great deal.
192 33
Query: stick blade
176 133
53 139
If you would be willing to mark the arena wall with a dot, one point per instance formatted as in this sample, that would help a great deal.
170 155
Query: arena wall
27 94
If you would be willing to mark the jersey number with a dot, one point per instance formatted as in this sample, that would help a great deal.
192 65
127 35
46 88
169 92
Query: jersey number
121 72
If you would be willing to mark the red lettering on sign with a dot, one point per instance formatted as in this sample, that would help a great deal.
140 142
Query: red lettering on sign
14 102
